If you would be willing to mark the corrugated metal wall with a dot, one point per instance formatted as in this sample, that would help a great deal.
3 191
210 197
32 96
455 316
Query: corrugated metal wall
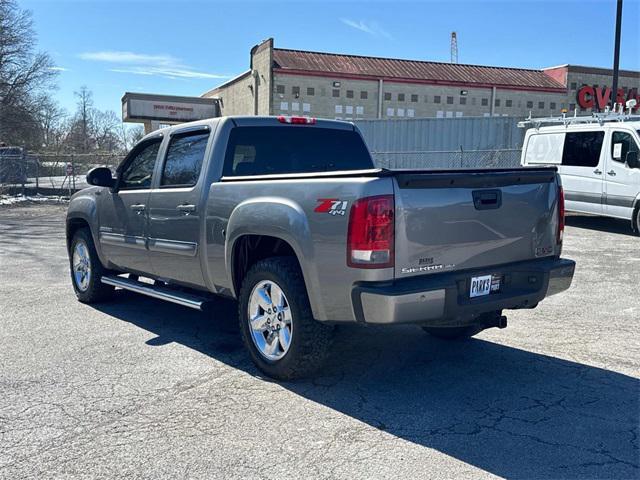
442 134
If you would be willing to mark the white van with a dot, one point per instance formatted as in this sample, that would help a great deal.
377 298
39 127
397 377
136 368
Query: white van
597 160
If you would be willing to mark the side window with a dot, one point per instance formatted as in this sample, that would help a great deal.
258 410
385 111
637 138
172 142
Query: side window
582 149
184 159
138 172
621 144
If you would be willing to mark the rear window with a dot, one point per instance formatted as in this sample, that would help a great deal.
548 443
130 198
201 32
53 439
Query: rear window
293 149
582 149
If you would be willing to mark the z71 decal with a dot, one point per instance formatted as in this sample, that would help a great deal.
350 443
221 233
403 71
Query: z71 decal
332 206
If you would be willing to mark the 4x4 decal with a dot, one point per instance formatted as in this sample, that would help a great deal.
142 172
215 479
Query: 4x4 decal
332 206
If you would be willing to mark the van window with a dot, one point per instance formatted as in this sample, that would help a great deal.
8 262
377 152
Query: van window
184 159
293 149
544 148
621 144
582 149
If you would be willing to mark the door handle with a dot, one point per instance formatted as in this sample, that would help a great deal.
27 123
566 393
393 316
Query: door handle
186 209
597 171
612 173
138 208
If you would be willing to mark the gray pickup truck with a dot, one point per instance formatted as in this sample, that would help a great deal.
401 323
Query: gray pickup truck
289 216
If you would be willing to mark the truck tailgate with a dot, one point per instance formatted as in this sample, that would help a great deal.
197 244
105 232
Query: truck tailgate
449 221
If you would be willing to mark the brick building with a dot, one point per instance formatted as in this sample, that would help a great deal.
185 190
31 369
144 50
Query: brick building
349 87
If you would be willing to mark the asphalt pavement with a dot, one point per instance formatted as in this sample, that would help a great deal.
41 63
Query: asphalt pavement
139 388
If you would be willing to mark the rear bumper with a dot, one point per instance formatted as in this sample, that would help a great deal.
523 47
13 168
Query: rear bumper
443 299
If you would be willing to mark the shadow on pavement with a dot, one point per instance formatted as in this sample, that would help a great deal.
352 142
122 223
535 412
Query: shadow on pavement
510 412
601 224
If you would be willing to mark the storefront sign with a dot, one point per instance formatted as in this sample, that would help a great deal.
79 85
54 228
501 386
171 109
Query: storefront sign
599 97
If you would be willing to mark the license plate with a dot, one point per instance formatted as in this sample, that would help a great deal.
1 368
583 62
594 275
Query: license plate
484 285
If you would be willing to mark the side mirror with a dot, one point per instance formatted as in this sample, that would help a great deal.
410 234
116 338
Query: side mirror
101 177
632 159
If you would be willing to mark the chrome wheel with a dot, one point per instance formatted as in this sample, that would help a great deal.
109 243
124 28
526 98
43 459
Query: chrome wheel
81 266
270 321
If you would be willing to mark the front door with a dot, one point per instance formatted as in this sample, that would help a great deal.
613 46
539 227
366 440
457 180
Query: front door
582 171
622 183
175 209
123 213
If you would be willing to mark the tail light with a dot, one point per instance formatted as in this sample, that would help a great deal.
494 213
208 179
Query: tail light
297 120
560 232
371 233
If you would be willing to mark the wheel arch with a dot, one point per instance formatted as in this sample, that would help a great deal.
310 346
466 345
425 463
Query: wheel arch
266 227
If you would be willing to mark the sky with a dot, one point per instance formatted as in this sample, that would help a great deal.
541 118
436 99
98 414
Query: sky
181 47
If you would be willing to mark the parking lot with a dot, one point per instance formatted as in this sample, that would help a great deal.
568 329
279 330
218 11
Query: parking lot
141 388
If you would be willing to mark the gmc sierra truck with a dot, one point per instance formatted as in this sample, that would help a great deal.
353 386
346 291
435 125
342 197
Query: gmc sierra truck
289 216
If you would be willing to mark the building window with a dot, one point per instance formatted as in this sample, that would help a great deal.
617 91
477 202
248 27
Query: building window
572 106
295 106
552 105
411 112
311 91
463 100
280 89
387 96
335 92
295 91
436 99
574 85
497 102
529 104
360 109
349 93
284 105
401 97
401 112
450 100
414 98
363 95
338 108
508 103
389 112
348 110
540 105
485 102
306 107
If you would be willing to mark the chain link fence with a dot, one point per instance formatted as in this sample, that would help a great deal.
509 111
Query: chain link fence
446 160
26 173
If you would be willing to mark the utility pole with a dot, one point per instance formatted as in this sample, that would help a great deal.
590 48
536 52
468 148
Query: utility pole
616 54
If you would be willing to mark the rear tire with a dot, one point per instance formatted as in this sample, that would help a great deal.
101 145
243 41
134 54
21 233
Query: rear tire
453 333
87 270
283 339
635 222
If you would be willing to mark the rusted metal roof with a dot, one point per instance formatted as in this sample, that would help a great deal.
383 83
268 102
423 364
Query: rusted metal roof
300 61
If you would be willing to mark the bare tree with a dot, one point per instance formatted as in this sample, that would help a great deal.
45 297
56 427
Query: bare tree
84 115
24 75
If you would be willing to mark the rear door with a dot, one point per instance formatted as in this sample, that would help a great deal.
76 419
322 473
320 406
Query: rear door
582 171
123 212
622 183
175 209
455 221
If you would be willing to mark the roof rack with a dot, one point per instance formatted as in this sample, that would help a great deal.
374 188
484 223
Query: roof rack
617 114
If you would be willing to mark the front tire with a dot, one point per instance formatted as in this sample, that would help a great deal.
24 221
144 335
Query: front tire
276 323
87 270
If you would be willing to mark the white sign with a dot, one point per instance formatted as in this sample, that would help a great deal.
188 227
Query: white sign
617 151
168 111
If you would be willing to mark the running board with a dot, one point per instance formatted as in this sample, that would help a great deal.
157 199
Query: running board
162 293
